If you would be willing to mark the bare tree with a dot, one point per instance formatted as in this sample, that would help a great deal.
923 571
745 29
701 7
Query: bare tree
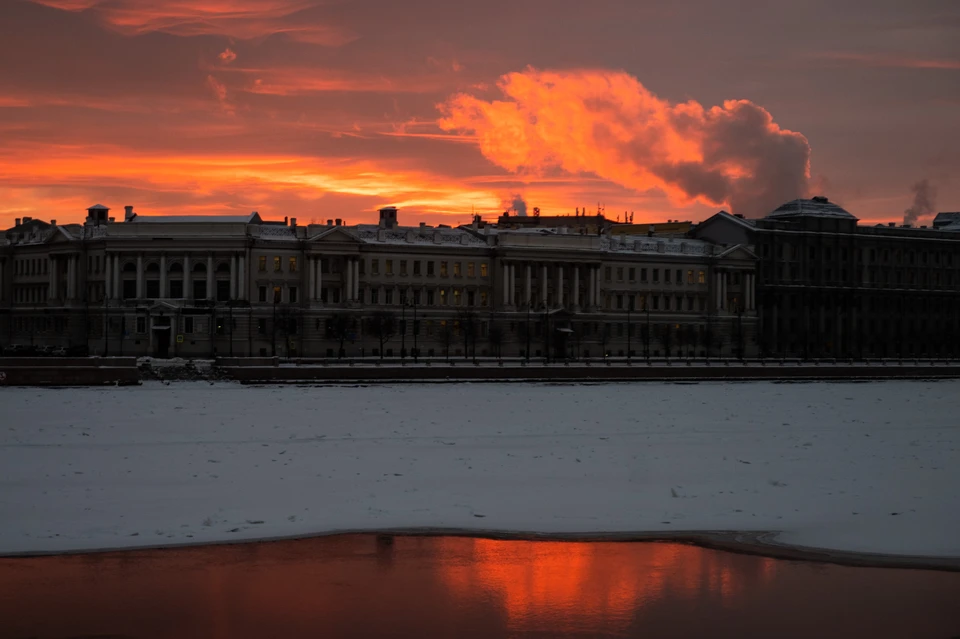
338 328
681 337
496 336
446 336
693 336
384 324
467 320
665 335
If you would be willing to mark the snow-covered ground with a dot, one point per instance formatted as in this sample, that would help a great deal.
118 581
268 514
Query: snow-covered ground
871 467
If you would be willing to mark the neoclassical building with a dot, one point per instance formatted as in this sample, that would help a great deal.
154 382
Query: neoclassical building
829 287
240 285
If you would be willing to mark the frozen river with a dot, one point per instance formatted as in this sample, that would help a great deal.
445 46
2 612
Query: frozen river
872 467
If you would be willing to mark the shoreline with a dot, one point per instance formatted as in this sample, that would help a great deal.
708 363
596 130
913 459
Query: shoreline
759 543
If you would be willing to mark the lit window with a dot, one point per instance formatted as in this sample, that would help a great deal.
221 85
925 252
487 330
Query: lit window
456 296
689 277
277 264
701 277
471 269
443 269
262 263
456 269
483 269
293 265
388 267
483 298
443 297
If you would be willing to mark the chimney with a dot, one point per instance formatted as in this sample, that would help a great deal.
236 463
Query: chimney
26 219
53 222
329 222
293 221
388 217
16 221
285 220
891 224
128 213
339 221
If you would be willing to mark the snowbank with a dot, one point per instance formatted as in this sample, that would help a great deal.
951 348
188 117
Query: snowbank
846 466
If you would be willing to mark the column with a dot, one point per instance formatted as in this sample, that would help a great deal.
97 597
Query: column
69 295
591 287
107 276
560 285
311 278
140 276
528 284
575 294
512 279
356 279
233 277
242 287
187 278
211 294
597 298
163 276
116 277
717 290
506 283
348 281
724 278
543 285
319 277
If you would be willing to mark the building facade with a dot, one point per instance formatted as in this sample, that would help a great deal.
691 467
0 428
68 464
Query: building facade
217 286
829 287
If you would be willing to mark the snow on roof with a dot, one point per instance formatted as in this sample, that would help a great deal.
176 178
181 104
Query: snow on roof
99 207
814 207
373 234
655 245
191 219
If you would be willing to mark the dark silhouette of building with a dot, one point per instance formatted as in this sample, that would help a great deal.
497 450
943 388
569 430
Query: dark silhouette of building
829 287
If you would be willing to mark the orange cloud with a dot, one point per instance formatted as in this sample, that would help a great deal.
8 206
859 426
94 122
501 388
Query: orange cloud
39 168
608 124
243 20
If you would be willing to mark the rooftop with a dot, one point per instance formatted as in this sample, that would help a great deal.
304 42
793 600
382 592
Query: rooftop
818 206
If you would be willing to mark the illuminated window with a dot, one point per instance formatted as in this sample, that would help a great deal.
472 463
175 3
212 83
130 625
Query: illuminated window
293 265
701 277
388 267
443 269
456 269
456 296
277 293
483 269
277 264
443 297
689 277
471 269
483 298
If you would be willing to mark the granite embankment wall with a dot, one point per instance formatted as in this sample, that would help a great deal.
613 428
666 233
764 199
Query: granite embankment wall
68 371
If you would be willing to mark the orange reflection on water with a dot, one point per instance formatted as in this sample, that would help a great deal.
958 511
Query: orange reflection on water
579 583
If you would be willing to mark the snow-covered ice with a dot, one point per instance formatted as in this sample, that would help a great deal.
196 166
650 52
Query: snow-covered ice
868 467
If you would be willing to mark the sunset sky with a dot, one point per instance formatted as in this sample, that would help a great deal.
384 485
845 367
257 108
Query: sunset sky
320 109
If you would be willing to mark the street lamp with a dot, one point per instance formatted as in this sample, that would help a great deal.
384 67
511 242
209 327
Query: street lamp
629 325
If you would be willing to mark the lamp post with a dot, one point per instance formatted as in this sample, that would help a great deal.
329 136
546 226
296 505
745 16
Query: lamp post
403 330
629 325
528 331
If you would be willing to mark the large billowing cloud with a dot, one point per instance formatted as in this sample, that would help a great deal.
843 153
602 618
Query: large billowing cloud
608 124
243 20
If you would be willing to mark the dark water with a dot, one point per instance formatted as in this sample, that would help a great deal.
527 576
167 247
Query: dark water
360 586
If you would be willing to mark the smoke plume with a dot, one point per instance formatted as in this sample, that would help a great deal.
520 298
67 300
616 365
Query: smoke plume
924 201
519 205
608 124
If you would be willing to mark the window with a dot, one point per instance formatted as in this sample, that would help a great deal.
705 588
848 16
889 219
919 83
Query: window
483 298
456 297
188 325
483 269
277 265
141 324
263 294
293 265
643 275
223 290
416 297
689 277
619 273
200 289
403 267
153 289
262 263
443 297
701 277
374 296
416 267
293 294
607 273
632 273
456 269
471 298
471 269
375 267
689 303
430 298
361 264
666 276
656 302
443 269
619 302
176 289
388 296
261 326
388 267
656 275
430 268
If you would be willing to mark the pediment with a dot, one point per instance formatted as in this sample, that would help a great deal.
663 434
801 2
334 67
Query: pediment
334 235
738 252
